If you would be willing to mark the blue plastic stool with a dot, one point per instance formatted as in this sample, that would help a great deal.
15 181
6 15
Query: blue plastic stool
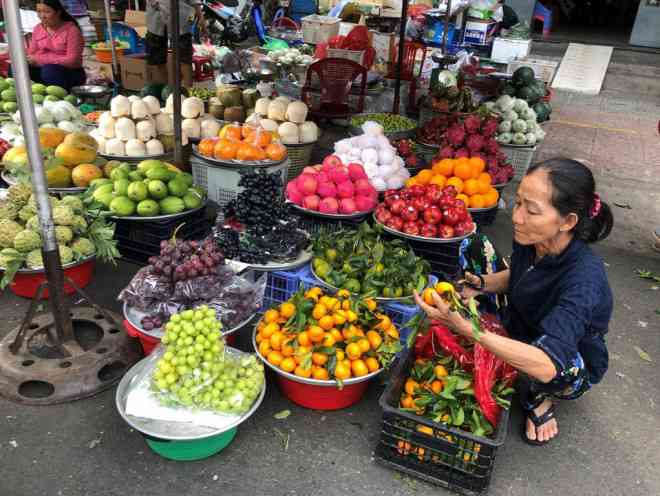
544 14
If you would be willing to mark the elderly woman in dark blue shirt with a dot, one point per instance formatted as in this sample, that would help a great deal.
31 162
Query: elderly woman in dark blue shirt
559 299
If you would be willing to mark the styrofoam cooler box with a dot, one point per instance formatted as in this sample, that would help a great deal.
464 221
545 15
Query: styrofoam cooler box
221 183
505 50
319 29
479 31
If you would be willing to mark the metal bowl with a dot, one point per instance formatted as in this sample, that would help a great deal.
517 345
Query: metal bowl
313 213
159 217
305 380
91 90
429 240
173 431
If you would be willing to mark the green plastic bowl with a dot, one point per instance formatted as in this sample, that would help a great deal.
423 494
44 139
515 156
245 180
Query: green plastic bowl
187 451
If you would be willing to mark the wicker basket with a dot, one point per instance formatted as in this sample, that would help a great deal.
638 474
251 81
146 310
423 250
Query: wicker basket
520 157
299 157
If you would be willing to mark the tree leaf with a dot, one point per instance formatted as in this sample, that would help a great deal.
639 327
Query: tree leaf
282 415
643 355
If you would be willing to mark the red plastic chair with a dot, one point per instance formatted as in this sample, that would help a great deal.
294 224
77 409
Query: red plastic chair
285 23
336 77
410 49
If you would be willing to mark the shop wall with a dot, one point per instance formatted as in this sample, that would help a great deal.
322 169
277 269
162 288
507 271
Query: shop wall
524 9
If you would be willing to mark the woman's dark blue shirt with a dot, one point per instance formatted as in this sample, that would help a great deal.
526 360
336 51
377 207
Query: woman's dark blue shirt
562 304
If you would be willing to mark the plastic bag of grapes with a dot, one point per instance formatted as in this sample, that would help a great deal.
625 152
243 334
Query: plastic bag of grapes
145 290
195 370
238 300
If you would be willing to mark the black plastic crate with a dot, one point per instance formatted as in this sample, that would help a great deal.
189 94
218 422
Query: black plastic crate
451 458
139 253
484 216
313 224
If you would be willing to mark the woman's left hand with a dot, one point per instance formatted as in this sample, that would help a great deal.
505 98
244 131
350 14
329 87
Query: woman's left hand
443 313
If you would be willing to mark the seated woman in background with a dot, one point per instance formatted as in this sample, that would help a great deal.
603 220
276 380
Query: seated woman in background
55 51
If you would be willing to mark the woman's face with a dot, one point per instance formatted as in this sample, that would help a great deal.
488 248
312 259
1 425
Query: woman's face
48 16
535 220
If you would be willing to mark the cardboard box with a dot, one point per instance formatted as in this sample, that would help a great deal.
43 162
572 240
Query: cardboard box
137 19
136 73
479 32
506 50
385 45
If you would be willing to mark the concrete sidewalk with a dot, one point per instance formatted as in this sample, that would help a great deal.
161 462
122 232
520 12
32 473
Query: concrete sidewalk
608 443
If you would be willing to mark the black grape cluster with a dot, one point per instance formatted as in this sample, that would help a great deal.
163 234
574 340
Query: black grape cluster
182 260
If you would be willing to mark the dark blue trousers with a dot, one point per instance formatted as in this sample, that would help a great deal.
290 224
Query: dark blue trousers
57 75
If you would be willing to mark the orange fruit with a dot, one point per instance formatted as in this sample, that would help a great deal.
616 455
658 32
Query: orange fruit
491 197
471 187
342 371
319 311
269 330
477 201
339 319
462 169
259 153
484 187
392 332
385 321
247 151
456 182
407 402
319 358
316 334
287 349
225 149
427 296
288 364
271 316
277 340
320 374
275 357
436 387
353 351
411 386
231 133
410 182
478 165
440 371
424 176
206 146
326 322
444 167
438 180
364 345
287 309
336 334
372 364
301 372
340 355
359 368
374 339
264 348
248 132
328 340
301 353
303 339
275 151
464 198
484 176
262 138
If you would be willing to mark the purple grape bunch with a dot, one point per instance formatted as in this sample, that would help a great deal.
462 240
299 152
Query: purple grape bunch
149 323
183 260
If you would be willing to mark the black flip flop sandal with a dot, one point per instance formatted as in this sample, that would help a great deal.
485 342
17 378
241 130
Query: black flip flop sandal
548 415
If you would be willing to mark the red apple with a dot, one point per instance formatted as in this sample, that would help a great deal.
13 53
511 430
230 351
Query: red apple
411 228
451 216
450 190
409 213
382 214
416 190
391 198
445 201
429 231
397 206
395 223
420 203
445 231
433 215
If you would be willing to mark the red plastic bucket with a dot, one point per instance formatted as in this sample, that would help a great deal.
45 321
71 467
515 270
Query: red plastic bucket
26 284
149 342
322 397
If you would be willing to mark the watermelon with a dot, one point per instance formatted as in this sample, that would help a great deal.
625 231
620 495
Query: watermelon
543 111
523 76
152 90
528 93
509 89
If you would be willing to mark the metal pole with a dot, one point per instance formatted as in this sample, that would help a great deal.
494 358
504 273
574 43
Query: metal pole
399 63
444 34
108 21
51 256
174 41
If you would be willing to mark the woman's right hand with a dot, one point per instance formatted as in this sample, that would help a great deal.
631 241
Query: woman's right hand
470 282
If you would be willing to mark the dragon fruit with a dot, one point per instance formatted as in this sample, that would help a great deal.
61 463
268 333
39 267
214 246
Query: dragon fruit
489 127
462 152
475 142
447 151
472 124
456 134
491 146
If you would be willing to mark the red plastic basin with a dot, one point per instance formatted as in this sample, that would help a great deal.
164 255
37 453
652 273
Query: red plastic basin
322 397
149 342
26 285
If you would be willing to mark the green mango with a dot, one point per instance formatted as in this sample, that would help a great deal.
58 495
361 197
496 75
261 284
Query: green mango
177 187
157 189
38 89
122 206
56 91
37 98
148 208
8 95
135 175
145 165
99 182
119 173
10 107
172 205
160 173
52 98
192 200
121 187
137 191
72 99
187 178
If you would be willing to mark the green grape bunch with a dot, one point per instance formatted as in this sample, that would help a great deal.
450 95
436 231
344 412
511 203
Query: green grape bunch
196 372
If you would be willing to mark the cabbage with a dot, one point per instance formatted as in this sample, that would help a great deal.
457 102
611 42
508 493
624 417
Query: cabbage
504 138
519 126
60 112
67 126
528 114
510 115
531 138
540 134
519 139
43 115
447 78
531 125
520 105
504 127
505 102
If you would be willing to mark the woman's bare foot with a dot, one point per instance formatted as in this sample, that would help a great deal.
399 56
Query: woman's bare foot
546 431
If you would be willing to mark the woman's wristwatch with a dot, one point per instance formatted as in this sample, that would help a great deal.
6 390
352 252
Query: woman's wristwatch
482 283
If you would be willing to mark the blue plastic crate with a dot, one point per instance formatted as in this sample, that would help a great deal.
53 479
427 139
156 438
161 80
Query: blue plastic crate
124 32
281 286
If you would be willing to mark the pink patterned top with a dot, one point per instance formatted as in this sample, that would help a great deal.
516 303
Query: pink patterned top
64 46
